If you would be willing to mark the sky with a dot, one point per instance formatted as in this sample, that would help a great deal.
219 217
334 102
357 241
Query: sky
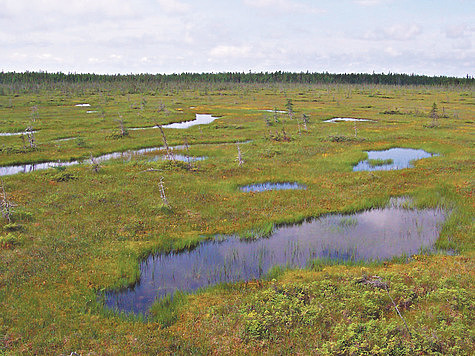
431 37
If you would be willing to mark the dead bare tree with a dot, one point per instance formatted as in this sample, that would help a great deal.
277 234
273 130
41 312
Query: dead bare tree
22 138
284 134
276 116
239 157
188 160
161 107
290 108
377 282
30 133
34 113
167 148
6 205
305 121
123 130
161 188
95 164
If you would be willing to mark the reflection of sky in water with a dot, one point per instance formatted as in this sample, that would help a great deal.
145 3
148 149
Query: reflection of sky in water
127 155
338 119
16 133
270 186
201 119
177 157
277 111
369 235
401 157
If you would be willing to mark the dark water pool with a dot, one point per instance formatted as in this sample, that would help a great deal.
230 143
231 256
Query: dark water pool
261 187
401 158
369 235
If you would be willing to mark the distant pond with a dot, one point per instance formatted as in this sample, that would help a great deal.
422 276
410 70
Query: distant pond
261 187
342 119
201 119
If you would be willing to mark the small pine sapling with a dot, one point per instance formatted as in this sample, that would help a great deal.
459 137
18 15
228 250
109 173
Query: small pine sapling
290 108
433 114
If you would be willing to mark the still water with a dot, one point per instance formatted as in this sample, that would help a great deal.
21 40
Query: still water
369 235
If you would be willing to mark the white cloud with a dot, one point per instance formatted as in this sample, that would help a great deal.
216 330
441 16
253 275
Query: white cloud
49 57
54 8
459 31
462 44
115 57
111 36
283 6
174 6
400 32
17 56
225 51
392 52
368 2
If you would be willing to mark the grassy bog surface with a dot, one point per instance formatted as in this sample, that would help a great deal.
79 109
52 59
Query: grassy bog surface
75 233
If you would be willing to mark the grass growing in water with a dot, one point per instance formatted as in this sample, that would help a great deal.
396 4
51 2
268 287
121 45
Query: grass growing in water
380 162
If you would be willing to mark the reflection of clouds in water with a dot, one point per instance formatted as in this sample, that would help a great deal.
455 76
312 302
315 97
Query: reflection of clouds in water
379 219
402 158
201 119
373 234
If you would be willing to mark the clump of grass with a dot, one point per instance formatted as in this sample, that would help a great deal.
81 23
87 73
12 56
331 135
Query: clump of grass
61 175
380 162
258 233
392 112
172 165
348 221
10 241
163 209
12 227
165 311
344 138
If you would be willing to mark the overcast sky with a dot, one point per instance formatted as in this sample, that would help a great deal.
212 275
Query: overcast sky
434 37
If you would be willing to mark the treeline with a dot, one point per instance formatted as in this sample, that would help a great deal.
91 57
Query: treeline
42 78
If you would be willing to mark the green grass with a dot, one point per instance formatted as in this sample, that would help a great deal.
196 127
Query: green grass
77 233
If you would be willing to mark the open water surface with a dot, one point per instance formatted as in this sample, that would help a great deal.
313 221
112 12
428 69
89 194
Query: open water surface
340 119
402 158
374 234
261 187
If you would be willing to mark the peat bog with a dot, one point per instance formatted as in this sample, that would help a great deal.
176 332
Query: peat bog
292 263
